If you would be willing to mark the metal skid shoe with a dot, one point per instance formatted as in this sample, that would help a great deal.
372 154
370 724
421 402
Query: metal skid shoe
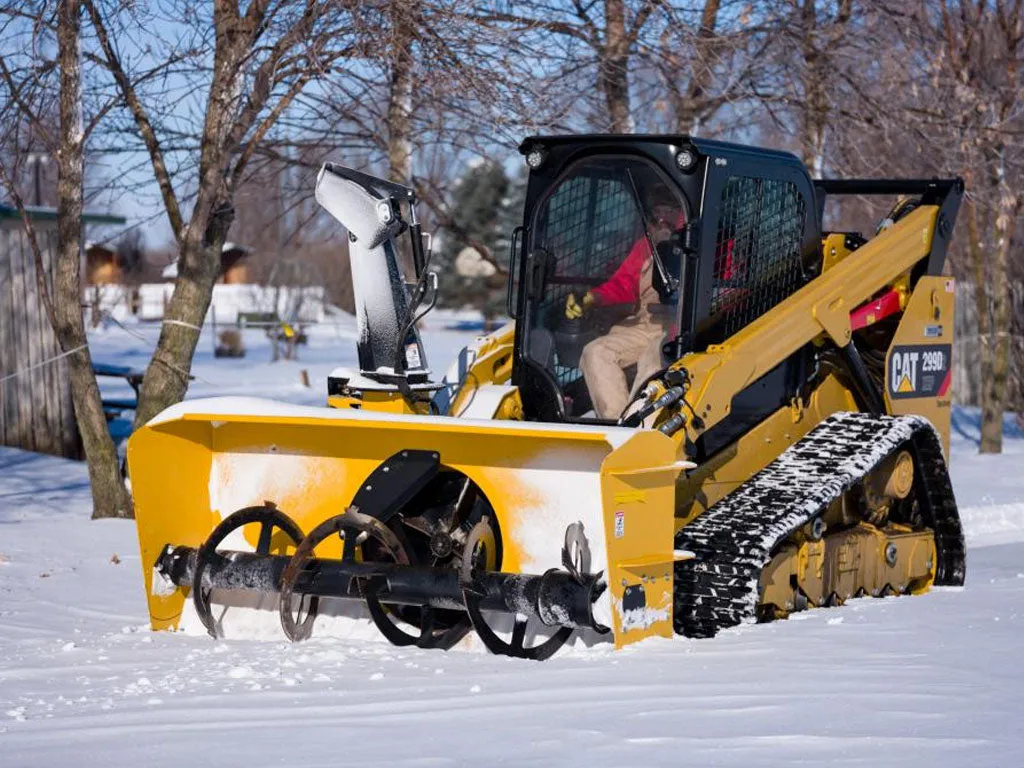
269 517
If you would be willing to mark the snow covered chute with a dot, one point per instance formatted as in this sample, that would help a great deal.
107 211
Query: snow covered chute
369 208
553 506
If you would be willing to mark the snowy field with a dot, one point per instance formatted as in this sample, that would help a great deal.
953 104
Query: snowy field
936 680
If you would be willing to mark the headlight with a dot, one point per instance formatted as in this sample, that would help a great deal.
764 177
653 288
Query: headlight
384 212
535 158
686 159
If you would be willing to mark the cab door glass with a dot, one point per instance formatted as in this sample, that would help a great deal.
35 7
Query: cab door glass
580 235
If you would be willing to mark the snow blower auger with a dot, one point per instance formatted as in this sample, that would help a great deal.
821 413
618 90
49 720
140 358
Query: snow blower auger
709 410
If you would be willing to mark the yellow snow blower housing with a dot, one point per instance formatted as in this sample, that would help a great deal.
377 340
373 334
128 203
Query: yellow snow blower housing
708 410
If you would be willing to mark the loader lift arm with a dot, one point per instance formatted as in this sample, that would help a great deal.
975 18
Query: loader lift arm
823 306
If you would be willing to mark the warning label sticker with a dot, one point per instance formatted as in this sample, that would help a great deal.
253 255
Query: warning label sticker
922 370
412 356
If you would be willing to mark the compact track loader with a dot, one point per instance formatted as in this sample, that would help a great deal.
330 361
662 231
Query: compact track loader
785 450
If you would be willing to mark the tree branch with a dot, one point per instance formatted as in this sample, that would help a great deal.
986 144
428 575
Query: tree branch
149 137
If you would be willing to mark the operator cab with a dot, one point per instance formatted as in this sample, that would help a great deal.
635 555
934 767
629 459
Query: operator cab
732 229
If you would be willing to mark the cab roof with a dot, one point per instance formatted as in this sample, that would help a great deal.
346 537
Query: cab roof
704 146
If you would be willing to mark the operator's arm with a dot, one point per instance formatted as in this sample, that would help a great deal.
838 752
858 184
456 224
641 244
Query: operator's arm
623 287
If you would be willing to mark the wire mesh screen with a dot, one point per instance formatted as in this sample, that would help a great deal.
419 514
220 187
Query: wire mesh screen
587 228
758 260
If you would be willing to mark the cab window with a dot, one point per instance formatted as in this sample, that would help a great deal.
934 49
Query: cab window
581 233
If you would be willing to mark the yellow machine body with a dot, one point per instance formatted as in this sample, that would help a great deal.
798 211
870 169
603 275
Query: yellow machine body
633 489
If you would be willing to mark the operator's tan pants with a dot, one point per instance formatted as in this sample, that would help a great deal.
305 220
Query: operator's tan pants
604 359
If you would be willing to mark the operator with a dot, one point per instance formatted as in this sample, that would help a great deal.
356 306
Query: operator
638 339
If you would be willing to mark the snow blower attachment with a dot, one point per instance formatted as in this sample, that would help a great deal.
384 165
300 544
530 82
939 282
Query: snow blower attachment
782 444
559 599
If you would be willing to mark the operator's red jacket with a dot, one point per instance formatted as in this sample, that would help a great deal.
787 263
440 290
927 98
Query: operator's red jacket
623 287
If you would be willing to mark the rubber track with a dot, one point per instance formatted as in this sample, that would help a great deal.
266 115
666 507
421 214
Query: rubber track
734 539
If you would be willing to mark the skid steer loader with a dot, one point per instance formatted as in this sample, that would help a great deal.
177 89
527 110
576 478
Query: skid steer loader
786 450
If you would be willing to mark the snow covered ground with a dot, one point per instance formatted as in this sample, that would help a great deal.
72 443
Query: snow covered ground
936 680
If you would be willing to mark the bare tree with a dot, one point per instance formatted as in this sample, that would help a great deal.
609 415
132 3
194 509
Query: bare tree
263 59
818 50
404 16
963 104
978 72
441 87
937 88
709 54
602 37
819 28
64 307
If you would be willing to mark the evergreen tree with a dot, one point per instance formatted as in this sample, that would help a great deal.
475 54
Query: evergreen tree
477 205
510 216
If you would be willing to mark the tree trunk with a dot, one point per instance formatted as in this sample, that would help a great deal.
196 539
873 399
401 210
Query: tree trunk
991 411
202 239
991 431
613 68
167 377
110 498
688 110
815 103
399 117
995 383
400 105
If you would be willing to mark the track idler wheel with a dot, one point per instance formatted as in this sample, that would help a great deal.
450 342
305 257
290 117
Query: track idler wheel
354 528
480 538
269 517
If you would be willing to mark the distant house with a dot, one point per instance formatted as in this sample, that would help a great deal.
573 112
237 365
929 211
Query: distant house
233 267
102 265
236 297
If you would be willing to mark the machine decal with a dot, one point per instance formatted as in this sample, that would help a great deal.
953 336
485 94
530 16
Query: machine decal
637 613
921 370
620 524
412 356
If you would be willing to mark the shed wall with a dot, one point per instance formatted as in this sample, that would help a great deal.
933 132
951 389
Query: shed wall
36 411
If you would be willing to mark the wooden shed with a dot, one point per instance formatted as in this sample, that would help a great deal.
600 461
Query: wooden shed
102 265
234 269
36 412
